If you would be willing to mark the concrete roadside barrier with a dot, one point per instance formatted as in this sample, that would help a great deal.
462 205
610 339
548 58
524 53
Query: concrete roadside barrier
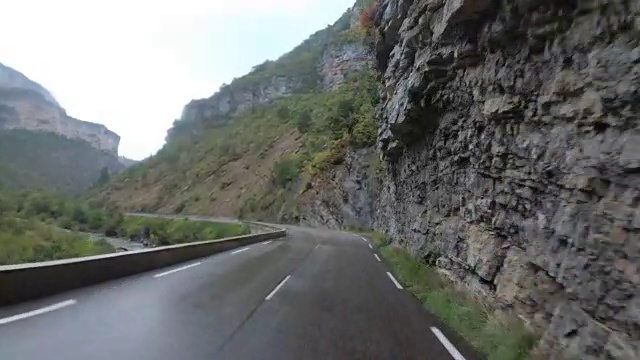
25 282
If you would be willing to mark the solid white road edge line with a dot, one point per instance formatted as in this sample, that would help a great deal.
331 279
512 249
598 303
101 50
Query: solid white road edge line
394 280
44 310
267 242
176 270
377 257
277 288
241 250
447 344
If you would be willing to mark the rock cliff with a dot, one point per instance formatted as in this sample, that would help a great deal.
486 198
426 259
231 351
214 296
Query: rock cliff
26 105
511 138
342 60
323 62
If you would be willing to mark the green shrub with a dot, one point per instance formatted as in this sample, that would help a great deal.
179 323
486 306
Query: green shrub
283 112
285 171
79 213
248 206
24 241
179 231
303 121
96 220
365 129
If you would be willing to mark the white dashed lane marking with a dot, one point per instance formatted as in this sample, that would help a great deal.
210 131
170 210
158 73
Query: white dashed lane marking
37 312
277 288
176 270
395 282
447 344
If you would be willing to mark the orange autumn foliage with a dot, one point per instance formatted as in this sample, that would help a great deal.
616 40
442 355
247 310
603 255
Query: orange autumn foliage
368 15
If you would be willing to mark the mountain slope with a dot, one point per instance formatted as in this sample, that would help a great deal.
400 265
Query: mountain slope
41 146
41 160
252 148
259 162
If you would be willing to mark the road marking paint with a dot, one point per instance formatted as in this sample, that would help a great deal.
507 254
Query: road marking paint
364 239
370 247
241 250
317 246
447 344
277 288
33 313
377 257
176 270
267 242
394 280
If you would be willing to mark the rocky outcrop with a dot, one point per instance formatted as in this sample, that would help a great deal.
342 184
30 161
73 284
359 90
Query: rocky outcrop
348 54
324 61
344 198
342 60
511 137
236 98
26 105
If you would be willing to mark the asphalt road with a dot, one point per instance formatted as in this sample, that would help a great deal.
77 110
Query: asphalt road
313 295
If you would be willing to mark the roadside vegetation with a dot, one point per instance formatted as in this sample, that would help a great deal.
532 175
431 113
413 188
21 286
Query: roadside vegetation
499 337
178 231
25 241
58 210
41 226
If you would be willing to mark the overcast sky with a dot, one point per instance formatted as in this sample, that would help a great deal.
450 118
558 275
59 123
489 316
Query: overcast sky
133 64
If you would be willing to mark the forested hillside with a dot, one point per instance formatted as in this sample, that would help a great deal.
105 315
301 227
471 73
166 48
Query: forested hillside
43 160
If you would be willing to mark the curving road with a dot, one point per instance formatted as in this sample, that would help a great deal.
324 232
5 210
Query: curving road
313 295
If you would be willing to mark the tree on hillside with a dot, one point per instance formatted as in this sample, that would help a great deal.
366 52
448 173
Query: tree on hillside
303 121
104 177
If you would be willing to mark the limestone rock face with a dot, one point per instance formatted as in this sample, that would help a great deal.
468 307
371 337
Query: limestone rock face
323 62
345 197
344 58
26 105
511 134
340 61
231 100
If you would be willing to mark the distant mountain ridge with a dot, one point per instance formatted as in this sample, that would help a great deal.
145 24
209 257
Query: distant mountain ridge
27 105
42 147
11 78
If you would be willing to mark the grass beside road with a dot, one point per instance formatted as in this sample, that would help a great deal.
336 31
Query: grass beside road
499 337
179 231
42 226
25 241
